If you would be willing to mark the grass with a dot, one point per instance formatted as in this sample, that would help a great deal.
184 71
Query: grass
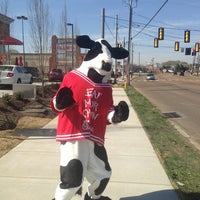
179 158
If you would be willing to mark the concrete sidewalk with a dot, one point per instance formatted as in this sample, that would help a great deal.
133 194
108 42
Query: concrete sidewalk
31 170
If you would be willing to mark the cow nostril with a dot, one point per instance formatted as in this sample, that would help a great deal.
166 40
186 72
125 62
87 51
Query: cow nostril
106 66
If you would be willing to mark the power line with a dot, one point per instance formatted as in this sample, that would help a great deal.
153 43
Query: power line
146 45
155 26
109 30
169 27
167 24
166 27
151 19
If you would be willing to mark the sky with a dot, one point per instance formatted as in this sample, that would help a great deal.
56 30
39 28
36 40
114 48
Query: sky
174 16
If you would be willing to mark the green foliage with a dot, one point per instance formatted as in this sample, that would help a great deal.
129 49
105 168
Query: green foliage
180 67
180 159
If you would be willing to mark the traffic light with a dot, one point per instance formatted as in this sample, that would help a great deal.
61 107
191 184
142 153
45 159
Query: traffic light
188 51
176 46
161 33
155 42
196 47
193 52
119 45
187 36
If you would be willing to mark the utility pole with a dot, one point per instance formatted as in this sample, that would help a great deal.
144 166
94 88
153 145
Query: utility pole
123 67
70 24
129 41
65 28
102 22
116 44
139 59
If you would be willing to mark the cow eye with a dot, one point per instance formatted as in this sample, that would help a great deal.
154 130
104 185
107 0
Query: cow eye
106 66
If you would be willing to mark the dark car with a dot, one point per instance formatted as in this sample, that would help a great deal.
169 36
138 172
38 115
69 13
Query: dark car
34 71
181 73
56 75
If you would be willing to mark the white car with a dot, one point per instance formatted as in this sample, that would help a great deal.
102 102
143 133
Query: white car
150 76
10 74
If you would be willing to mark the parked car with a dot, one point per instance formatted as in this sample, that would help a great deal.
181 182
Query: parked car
10 74
181 73
56 75
34 71
150 76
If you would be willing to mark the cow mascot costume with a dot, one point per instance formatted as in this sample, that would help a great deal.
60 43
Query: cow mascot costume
84 103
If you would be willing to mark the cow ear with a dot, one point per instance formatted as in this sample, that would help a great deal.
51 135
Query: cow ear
119 53
84 41
94 51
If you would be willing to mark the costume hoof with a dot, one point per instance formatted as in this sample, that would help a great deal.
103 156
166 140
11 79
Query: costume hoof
101 198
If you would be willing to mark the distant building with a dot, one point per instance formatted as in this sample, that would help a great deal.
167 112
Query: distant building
32 59
5 25
60 57
6 39
66 54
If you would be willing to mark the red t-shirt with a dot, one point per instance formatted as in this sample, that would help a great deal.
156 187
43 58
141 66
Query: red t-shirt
87 119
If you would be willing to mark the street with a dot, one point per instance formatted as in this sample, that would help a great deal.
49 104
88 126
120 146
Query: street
178 98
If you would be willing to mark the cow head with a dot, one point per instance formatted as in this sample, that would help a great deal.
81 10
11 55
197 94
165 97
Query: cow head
98 62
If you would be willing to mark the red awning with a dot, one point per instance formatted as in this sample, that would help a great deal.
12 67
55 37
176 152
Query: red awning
7 40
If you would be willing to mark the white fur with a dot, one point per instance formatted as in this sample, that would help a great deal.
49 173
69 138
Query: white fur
96 63
106 77
110 116
54 103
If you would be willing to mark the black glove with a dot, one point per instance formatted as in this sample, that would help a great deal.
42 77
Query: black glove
121 112
64 98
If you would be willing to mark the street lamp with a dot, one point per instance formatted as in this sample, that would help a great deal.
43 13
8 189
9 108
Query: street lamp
69 24
23 18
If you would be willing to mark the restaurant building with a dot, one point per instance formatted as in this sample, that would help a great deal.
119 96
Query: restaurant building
5 39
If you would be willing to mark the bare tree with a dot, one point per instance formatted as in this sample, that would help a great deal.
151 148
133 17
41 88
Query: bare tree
63 31
4 7
63 21
41 29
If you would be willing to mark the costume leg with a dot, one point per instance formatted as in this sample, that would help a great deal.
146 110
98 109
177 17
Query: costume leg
99 171
73 162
